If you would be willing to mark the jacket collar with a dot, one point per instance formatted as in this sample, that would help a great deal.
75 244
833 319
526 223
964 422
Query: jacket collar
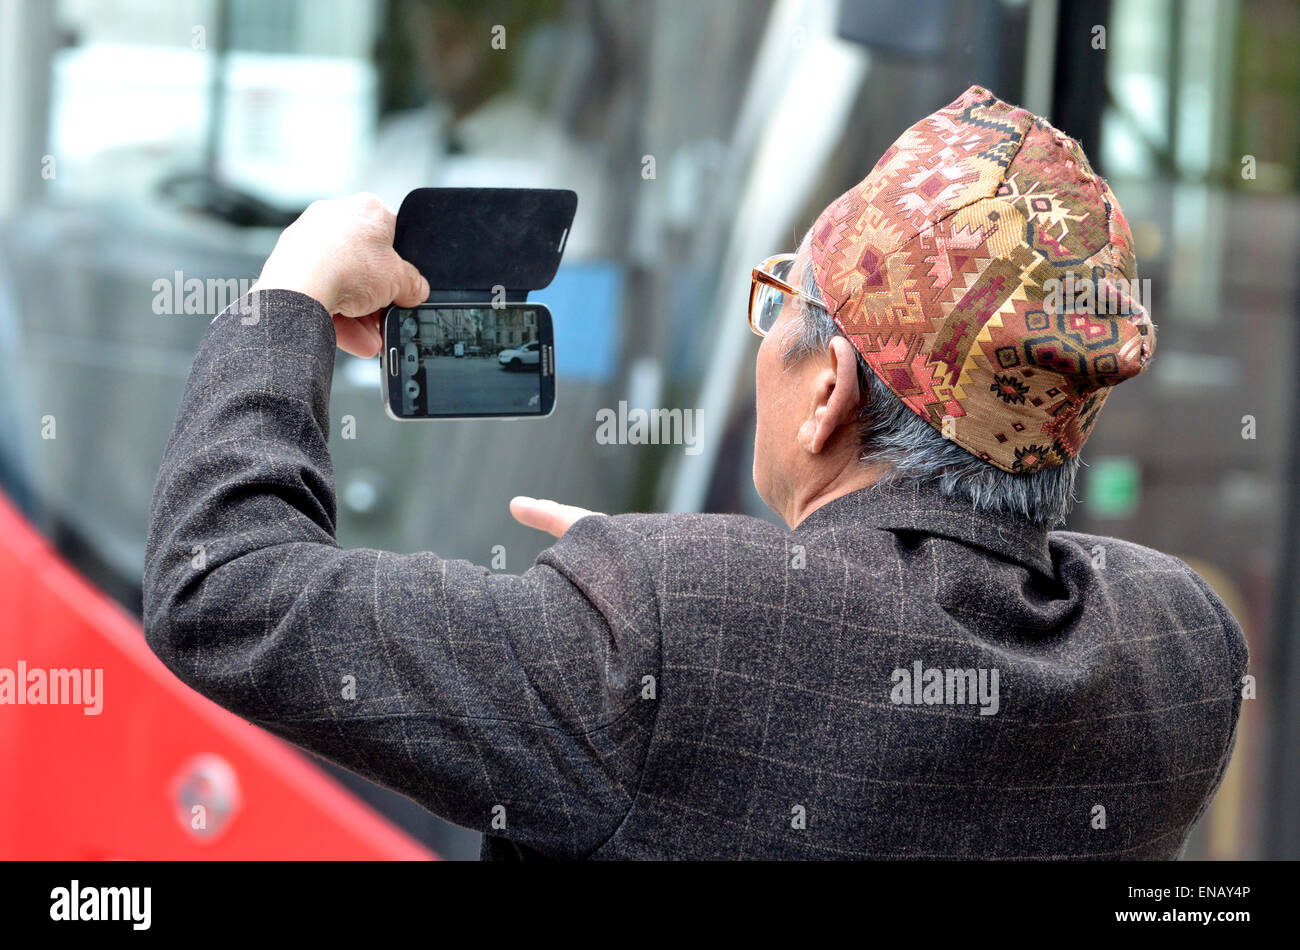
925 509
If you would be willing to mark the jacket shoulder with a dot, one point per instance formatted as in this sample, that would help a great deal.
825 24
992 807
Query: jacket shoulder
656 527
1156 571
1118 552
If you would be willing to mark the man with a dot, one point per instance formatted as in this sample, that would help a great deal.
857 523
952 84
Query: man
916 668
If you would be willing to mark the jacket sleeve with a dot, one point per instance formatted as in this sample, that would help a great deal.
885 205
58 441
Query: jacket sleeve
507 704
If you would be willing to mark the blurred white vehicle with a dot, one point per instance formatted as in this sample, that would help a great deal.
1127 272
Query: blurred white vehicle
526 355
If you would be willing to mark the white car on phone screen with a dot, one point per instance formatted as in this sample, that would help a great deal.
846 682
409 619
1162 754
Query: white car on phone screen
519 357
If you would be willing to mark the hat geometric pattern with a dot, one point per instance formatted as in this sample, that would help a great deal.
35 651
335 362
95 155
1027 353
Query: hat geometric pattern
984 272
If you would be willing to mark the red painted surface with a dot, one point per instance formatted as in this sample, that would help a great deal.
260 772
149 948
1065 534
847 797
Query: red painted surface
74 786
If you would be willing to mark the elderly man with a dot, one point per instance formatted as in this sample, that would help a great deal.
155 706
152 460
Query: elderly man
917 667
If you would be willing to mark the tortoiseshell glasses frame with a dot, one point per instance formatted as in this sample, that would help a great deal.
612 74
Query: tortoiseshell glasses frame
767 290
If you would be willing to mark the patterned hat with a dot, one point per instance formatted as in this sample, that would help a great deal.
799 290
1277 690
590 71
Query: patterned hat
986 274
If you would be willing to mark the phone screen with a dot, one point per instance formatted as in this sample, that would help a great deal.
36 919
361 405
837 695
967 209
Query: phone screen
446 361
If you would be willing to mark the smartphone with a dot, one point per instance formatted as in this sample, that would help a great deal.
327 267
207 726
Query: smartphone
469 361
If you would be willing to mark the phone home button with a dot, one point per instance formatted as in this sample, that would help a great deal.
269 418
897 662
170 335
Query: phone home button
392 361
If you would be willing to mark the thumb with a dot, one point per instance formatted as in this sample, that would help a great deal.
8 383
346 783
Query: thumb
409 287
545 515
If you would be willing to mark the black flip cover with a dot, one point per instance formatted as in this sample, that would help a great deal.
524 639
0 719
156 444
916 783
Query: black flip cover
466 241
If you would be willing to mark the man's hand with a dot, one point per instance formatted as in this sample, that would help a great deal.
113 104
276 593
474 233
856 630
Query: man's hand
549 516
340 252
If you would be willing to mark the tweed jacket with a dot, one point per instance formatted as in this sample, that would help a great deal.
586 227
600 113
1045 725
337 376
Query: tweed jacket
897 677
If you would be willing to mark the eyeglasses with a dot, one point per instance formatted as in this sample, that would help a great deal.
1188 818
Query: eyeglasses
769 293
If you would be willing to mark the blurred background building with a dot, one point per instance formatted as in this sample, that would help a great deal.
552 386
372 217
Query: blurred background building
145 144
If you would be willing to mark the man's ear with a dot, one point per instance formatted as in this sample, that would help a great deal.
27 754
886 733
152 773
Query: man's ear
837 395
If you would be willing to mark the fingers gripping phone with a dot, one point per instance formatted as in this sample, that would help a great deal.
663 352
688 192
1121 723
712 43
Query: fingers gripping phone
459 356
469 361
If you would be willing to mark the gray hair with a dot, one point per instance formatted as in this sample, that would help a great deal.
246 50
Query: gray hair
916 452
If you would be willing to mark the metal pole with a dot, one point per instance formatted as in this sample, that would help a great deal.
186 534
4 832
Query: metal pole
27 43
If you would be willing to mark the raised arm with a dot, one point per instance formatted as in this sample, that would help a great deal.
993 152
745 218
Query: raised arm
508 704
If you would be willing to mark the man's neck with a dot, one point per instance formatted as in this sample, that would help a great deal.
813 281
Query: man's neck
852 477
